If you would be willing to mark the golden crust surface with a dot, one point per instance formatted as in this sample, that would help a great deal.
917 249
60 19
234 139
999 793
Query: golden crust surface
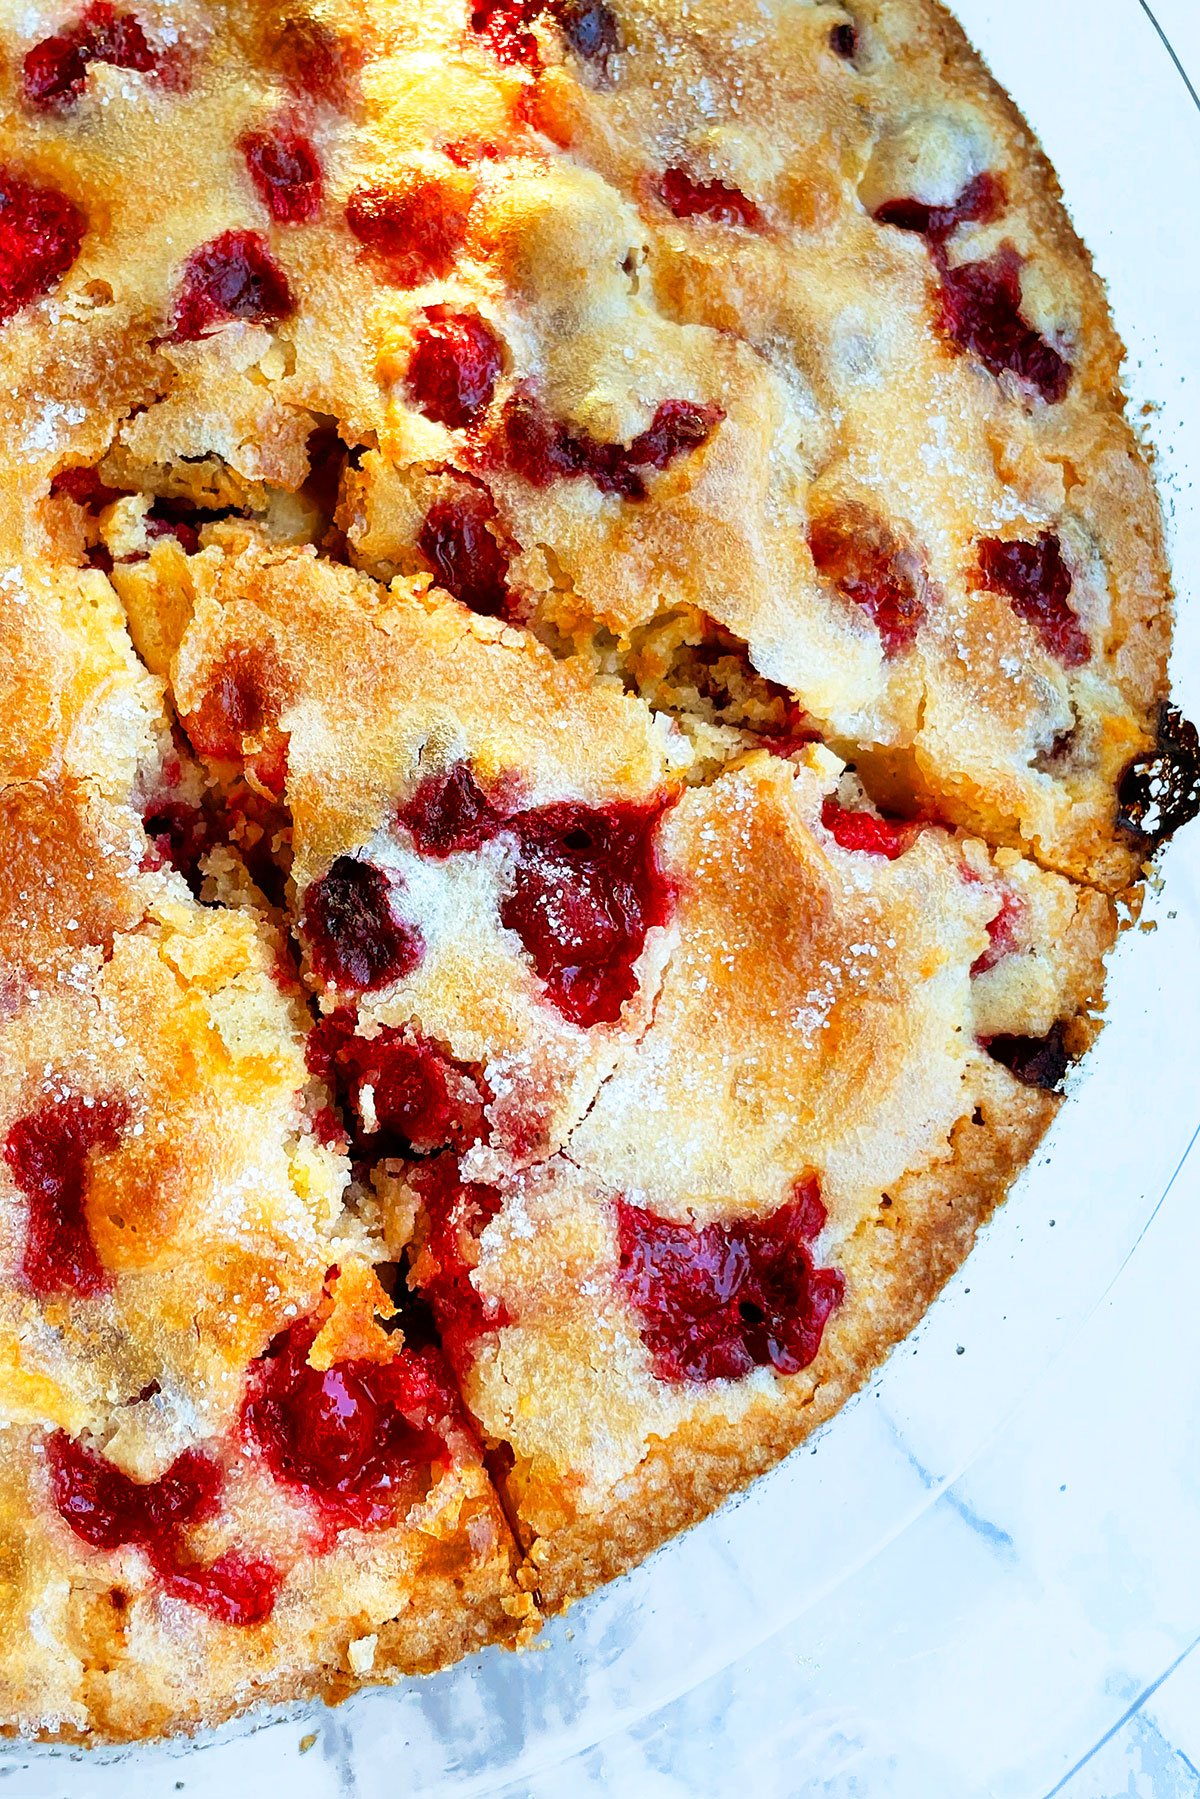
482 483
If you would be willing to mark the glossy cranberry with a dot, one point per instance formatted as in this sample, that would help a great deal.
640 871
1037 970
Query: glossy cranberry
415 231
355 940
543 450
107 1509
40 234
504 25
453 369
864 831
586 887
286 171
868 568
1037 583
315 59
355 1439
1004 933
718 1302
54 72
1160 790
233 276
460 542
235 1589
450 812
47 1153
981 312
688 199
843 41
1035 1061
185 535
980 201
456 1212
421 1098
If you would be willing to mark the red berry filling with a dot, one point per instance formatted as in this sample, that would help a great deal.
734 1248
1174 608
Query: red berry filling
181 835
453 369
1038 583
54 73
244 697
233 276
83 485
40 234
286 171
47 1154
1035 1061
457 1213
418 1098
716 1303
416 231
1004 933
981 312
185 535
980 201
543 449
466 556
110 1511
315 59
868 567
449 812
688 199
356 1439
864 831
355 941
586 888
589 27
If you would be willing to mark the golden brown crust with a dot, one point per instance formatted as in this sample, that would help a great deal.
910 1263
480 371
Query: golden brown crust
727 493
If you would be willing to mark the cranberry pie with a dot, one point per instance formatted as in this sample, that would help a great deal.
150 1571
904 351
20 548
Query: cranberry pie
584 679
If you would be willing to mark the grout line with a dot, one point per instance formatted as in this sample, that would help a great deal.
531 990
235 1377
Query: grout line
1131 1711
1169 47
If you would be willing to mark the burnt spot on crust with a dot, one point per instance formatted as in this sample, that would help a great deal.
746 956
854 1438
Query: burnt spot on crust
1034 1061
1160 790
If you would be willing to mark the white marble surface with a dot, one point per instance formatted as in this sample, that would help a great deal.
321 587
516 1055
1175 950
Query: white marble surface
986 1580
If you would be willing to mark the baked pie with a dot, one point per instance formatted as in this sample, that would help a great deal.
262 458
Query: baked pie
584 692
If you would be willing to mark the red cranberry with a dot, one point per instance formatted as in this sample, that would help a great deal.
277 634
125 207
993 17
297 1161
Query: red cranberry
107 1509
505 26
54 73
1038 583
236 1589
450 812
47 1154
84 486
355 1439
416 231
843 41
716 1303
980 201
40 234
867 566
586 888
315 59
687 199
457 1213
1004 933
233 276
286 171
1159 790
354 939
543 450
1035 1061
185 535
181 835
863 831
454 365
464 552
422 1099
981 312
243 698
